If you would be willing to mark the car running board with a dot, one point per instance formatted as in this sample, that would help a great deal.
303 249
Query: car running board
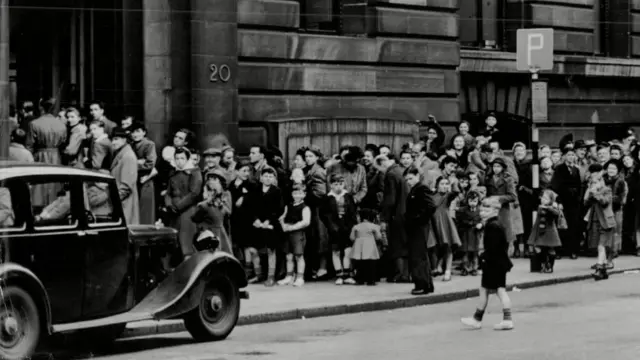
111 320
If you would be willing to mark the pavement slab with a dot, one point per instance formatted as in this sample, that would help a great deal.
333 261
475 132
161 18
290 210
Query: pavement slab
319 299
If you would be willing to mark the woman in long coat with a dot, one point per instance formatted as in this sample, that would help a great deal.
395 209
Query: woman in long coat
317 248
145 150
124 169
183 194
526 198
420 208
502 185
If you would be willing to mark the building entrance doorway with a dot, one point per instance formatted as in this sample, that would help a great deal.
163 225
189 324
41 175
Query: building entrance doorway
74 50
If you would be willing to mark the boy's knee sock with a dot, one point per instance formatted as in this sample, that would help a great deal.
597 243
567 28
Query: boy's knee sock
506 314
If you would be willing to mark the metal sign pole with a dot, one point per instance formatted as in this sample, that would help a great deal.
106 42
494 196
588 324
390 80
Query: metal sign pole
535 163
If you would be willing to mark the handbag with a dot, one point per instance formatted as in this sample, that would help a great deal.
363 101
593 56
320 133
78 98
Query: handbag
562 222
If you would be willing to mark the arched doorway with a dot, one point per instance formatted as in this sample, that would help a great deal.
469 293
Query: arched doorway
513 128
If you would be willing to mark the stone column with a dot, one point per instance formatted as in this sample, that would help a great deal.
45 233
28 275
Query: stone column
4 80
214 68
157 68
166 68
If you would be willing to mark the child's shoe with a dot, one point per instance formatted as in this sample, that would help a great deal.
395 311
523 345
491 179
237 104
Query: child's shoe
270 282
504 325
471 322
339 281
286 281
299 281
349 281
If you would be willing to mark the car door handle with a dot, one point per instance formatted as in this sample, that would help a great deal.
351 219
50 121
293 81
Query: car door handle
88 232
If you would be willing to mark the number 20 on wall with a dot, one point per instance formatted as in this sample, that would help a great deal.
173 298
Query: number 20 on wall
222 73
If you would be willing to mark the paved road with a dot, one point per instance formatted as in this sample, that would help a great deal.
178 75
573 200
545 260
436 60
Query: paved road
581 321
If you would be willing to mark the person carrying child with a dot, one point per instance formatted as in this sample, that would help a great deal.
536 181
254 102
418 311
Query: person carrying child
294 222
339 214
495 266
365 253
470 227
544 233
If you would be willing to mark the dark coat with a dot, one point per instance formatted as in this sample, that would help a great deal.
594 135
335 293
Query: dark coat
316 184
145 149
241 222
329 214
393 210
420 208
496 262
375 190
184 192
504 187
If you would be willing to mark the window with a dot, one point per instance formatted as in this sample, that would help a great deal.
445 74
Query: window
51 204
7 216
97 204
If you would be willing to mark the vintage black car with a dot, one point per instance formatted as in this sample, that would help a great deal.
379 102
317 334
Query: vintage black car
69 262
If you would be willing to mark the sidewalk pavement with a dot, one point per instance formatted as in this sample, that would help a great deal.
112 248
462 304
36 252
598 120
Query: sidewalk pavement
282 303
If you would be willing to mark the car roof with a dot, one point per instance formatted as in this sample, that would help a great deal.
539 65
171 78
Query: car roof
11 169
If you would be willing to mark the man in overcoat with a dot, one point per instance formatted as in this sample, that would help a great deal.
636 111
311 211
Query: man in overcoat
145 151
392 216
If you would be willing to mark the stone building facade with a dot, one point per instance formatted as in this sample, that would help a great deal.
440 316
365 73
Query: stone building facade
284 72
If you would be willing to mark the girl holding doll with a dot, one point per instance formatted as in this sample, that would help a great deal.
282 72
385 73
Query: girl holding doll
544 233
446 234
600 219
210 213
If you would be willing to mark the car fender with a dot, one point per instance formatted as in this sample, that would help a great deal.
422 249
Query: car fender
14 274
180 292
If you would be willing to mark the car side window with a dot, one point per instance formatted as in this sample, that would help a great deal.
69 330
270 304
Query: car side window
7 215
97 204
51 204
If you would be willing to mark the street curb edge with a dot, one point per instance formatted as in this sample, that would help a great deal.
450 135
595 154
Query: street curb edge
334 310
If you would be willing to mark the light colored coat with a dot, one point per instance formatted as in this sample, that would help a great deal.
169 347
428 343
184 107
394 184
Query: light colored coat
124 168
17 152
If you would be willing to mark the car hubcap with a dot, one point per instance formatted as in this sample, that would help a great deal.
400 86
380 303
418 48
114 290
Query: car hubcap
11 332
216 303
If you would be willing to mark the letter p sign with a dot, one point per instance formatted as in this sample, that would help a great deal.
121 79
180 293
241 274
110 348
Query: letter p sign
534 49
535 42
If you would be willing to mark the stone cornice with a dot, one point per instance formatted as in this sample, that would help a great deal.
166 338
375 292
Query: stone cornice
486 61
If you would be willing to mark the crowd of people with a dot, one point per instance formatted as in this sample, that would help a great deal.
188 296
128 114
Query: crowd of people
366 213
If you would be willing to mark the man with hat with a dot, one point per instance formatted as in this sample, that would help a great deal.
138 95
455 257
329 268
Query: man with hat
212 158
567 183
124 168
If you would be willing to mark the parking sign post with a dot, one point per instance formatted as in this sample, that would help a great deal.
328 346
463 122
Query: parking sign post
535 53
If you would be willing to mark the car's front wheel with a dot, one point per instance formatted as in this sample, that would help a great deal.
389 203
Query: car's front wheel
19 324
217 314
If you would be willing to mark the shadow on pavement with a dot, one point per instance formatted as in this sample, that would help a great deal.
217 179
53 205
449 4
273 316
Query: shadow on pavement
78 351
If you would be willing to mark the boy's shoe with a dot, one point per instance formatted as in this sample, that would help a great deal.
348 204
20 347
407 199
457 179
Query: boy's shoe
286 281
270 282
504 325
471 323
349 281
299 281
339 281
